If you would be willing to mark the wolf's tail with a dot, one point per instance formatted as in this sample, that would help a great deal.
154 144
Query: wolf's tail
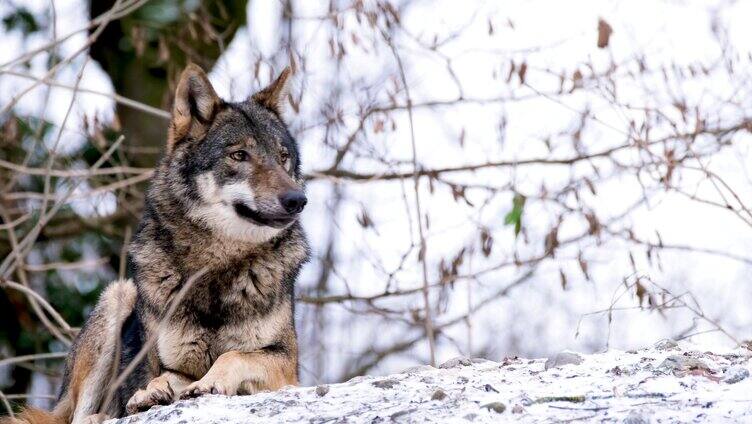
92 363
34 416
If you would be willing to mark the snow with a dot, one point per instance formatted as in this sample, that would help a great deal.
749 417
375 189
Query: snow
669 382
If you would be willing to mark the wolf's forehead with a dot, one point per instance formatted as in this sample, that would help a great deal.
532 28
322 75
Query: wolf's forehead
244 123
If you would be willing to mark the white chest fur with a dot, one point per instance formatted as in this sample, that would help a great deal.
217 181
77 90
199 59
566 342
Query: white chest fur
185 347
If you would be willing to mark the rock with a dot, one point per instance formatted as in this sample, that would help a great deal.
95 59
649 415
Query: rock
357 379
563 358
322 390
666 344
489 388
497 407
613 387
735 374
402 413
461 361
427 379
526 400
620 370
681 365
418 368
636 417
439 395
388 383
456 362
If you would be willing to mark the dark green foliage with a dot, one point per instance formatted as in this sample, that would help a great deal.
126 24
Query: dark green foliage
22 20
144 52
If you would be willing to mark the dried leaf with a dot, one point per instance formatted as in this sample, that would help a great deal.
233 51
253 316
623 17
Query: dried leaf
364 219
583 266
522 72
486 242
640 291
563 278
576 80
604 33
552 241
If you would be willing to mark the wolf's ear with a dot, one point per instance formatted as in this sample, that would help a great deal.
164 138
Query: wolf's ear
195 105
273 96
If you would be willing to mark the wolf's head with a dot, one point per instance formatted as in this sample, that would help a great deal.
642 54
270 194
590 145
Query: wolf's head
233 167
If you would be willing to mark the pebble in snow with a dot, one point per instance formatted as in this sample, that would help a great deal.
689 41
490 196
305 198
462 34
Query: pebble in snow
497 407
666 344
636 417
563 358
735 374
679 365
439 395
461 361
322 390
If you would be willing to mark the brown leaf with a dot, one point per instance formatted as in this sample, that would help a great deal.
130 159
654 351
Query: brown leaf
563 278
640 291
583 266
522 72
364 219
512 70
594 225
486 242
392 11
576 80
590 186
552 241
604 33
632 261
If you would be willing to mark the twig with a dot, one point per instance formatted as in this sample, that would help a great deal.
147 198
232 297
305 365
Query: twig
428 322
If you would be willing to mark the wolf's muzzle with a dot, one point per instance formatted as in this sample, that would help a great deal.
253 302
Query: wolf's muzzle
261 218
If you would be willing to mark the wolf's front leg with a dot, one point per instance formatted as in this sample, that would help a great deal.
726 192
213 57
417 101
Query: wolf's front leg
245 372
160 391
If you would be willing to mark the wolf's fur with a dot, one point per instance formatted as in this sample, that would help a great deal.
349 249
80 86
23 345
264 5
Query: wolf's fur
211 213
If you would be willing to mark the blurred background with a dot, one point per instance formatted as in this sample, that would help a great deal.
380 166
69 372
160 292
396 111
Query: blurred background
485 178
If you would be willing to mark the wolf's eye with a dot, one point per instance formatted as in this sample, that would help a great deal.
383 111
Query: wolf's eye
284 157
239 156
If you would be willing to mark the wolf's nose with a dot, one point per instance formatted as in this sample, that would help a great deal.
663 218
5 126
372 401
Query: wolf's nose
293 201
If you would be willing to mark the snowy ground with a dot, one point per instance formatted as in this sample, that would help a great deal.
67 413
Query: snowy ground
666 383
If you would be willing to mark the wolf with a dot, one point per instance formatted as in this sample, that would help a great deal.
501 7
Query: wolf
210 306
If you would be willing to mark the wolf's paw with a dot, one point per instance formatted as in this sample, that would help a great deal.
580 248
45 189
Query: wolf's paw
206 386
146 398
